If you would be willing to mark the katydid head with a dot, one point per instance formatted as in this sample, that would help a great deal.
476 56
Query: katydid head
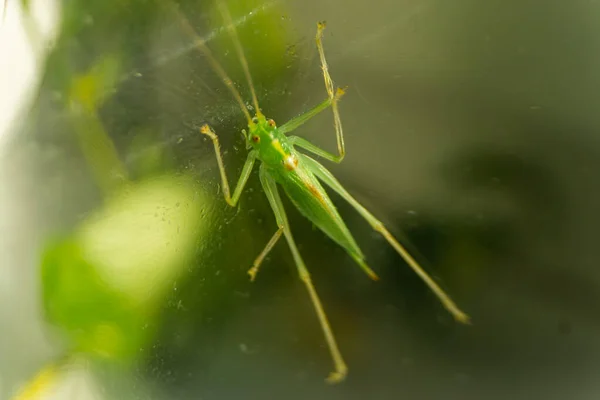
260 132
272 146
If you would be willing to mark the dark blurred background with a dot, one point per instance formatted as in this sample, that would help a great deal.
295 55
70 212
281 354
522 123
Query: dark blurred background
471 131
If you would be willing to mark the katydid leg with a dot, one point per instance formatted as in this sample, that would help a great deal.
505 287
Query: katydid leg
295 122
272 242
246 170
308 146
270 187
339 134
323 174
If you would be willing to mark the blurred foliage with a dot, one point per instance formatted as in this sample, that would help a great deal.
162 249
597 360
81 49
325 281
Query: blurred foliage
86 96
125 87
105 283
499 98
99 320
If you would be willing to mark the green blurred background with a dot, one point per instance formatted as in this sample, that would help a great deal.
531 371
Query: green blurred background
471 130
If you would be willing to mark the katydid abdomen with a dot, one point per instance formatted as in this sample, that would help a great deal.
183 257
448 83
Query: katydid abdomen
310 198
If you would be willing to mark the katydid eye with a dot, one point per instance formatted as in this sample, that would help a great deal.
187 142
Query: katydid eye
255 139
271 123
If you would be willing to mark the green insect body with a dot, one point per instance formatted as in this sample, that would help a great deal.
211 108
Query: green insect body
301 178
290 170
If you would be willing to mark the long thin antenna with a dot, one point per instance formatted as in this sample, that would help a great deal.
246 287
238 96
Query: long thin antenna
201 44
238 47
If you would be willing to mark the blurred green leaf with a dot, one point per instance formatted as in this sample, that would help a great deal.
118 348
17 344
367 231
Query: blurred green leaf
103 284
99 319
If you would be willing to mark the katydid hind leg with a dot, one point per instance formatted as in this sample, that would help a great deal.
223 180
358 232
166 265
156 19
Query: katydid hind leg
270 189
324 175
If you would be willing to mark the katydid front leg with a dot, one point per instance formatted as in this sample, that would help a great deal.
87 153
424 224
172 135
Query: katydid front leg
246 170
308 146
295 122
339 134
333 96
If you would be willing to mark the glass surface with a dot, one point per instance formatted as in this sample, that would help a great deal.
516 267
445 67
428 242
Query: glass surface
471 131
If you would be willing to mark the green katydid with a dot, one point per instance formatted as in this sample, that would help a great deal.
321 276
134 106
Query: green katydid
300 176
